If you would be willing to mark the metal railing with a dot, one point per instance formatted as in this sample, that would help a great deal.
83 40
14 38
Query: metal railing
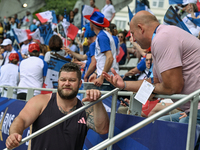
194 97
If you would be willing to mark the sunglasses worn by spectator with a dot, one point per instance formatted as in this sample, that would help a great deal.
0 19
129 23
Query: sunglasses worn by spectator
149 59
120 36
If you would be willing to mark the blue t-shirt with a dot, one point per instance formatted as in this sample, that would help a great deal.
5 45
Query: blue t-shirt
142 65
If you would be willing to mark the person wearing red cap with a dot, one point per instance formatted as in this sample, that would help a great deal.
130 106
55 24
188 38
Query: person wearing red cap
32 72
105 50
9 75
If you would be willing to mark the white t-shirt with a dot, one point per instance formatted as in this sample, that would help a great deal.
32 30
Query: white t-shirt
7 54
9 75
105 42
24 49
73 48
108 11
31 74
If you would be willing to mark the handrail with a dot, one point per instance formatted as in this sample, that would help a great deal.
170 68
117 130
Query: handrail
53 124
191 129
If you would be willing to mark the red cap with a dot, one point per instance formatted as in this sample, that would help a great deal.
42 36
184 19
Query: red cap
33 47
13 56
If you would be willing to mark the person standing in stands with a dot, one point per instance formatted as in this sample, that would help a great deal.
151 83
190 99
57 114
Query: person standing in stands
9 75
7 44
44 109
105 50
108 10
176 67
32 71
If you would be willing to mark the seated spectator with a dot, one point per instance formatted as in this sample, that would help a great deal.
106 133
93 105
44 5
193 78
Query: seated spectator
24 48
33 26
31 74
9 75
72 46
122 41
55 45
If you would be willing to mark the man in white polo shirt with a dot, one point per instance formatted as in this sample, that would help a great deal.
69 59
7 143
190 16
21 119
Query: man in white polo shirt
7 44
32 71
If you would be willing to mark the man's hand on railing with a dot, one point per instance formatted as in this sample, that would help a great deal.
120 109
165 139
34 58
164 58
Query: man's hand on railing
13 140
92 95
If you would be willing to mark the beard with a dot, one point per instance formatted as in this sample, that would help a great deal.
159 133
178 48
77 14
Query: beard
67 95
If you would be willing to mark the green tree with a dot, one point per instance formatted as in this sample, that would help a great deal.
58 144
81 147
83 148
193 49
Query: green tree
58 6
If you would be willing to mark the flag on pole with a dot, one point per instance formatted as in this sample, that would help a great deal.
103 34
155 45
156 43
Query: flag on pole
172 18
130 14
69 29
86 11
54 20
120 55
36 35
45 16
65 15
21 35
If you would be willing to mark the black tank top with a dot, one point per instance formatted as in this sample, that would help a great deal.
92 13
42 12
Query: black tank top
69 135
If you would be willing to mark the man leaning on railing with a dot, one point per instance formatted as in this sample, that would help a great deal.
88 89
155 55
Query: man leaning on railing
42 110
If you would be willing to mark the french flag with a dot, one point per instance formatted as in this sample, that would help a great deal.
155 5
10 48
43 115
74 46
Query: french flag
47 16
86 11
21 35
70 29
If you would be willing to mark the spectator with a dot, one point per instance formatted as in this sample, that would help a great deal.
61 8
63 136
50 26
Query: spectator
122 41
191 8
13 25
92 4
27 20
33 26
77 18
7 27
31 74
1 52
1 32
176 60
17 20
71 17
71 45
24 48
42 110
9 75
108 10
7 44
55 44
105 50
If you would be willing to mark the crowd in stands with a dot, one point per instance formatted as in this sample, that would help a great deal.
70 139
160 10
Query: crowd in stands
97 48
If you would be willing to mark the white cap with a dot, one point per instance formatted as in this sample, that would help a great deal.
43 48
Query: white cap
185 2
6 42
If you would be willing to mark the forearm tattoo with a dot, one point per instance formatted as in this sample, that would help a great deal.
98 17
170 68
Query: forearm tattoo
90 118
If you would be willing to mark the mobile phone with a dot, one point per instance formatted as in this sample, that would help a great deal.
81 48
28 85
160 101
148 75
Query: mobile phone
121 99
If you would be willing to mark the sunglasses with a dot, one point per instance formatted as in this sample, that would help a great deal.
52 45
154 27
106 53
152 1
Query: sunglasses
120 36
149 59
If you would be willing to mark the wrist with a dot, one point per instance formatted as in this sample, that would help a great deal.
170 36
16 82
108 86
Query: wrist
124 86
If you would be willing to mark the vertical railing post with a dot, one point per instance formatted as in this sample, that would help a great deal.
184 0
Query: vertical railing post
9 92
192 123
135 106
30 94
112 118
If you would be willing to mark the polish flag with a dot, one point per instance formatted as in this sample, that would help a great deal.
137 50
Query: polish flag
45 16
21 35
120 55
70 29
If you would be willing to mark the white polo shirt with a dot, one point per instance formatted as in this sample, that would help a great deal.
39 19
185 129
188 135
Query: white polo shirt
105 42
108 11
32 70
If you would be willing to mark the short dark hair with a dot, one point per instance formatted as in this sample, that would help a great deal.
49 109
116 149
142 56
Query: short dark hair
71 67
34 53
55 43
